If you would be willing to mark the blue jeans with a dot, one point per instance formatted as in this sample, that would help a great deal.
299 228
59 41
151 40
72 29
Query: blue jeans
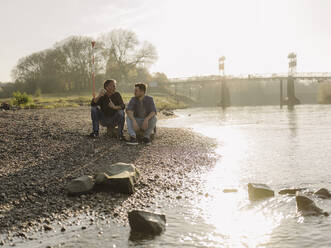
151 125
98 117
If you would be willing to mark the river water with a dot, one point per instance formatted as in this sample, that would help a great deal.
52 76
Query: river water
282 148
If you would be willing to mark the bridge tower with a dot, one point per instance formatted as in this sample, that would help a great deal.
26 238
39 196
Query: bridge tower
291 100
225 93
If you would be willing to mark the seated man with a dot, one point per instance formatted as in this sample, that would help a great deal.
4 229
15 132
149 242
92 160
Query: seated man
112 107
141 115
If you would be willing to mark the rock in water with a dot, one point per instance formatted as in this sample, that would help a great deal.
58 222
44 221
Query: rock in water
257 191
230 190
147 222
290 191
80 185
323 193
307 207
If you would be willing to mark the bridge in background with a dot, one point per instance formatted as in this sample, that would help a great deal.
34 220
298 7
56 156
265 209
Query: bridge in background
289 78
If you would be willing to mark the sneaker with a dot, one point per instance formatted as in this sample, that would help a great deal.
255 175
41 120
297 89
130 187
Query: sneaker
94 134
132 141
147 141
121 138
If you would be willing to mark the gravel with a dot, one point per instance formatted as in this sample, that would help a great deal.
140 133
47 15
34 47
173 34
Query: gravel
42 150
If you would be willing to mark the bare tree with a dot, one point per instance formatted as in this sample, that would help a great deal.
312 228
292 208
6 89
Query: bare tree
123 53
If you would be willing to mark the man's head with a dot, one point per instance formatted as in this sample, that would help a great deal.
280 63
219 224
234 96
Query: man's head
110 86
139 90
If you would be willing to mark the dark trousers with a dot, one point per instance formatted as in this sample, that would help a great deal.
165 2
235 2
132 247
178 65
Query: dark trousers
98 117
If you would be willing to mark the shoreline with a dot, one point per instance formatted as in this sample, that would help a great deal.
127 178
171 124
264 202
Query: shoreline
42 150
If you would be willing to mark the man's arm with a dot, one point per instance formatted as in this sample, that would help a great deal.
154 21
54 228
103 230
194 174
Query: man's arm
101 94
150 115
130 108
130 115
118 99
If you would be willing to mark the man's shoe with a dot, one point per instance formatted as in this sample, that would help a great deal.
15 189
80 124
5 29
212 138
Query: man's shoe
94 135
133 141
147 141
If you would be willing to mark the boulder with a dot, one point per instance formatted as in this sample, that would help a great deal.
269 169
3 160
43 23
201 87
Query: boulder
80 185
122 182
290 191
118 168
146 222
323 193
307 207
257 191
119 177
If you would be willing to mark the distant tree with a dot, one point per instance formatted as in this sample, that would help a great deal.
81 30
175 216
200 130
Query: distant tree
160 77
67 66
123 54
77 52
28 70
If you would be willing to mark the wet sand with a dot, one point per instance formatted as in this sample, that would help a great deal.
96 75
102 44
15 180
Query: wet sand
42 150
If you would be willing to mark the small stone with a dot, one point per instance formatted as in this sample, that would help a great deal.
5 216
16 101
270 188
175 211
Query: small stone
47 228
290 191
63 229
230 190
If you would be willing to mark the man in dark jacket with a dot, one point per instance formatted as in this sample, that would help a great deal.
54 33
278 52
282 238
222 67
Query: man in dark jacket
107 109
141 115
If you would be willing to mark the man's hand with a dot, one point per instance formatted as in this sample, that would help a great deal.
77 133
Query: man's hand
101 93
135 126
111 104
145 125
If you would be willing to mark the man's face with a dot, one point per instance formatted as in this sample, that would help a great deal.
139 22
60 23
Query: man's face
138 93
111 88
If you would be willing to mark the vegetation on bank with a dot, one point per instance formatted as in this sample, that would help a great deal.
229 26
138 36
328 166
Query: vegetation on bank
67 65
23 100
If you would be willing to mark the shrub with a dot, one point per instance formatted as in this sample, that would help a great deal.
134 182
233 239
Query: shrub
37 93
21 99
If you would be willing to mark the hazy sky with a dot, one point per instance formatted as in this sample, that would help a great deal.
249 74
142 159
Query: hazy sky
190 35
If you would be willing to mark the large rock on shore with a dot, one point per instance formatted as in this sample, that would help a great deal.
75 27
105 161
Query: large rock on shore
122 183
119 177
118 168
146 222
323 193
80 185
307 207
258 191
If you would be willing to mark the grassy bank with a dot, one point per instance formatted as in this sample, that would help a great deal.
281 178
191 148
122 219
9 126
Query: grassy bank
50 101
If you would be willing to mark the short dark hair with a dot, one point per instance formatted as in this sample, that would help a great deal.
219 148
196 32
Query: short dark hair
141 86
107 82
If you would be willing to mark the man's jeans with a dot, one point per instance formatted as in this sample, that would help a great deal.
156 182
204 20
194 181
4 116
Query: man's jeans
147 133
100 118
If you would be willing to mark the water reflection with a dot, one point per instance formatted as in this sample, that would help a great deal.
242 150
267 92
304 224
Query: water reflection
292 122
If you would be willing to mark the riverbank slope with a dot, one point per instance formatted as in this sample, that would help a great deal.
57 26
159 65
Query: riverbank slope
41 150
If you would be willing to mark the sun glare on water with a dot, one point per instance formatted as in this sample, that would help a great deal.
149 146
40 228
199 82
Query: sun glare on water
240 222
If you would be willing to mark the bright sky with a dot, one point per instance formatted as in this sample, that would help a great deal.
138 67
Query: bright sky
255 36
